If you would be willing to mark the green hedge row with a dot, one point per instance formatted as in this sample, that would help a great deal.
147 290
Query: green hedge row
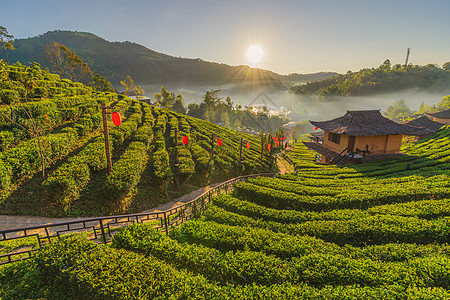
78 269
377 229
127 171
64 185
277 196
24 159
247 267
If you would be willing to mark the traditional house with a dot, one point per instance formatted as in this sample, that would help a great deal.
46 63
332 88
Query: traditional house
441 117
359 134
425 122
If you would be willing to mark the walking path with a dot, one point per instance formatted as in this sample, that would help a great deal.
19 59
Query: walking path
11 222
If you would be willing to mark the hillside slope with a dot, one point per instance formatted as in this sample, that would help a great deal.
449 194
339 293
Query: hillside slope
373 231
143 150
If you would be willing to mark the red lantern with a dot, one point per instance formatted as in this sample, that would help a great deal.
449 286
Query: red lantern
316 128
219 142
185 140
268 146
116 118
247 145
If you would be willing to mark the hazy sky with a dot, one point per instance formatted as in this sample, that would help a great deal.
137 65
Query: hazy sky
296 36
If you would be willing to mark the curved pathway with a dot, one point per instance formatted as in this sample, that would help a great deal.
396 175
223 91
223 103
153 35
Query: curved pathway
11 222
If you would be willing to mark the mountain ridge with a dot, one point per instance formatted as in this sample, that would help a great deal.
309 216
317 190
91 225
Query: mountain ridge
115 60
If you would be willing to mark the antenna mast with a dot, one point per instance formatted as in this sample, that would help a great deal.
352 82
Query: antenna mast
407 56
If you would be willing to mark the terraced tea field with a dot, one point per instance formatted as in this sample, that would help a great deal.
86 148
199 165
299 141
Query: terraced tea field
373 231
76 183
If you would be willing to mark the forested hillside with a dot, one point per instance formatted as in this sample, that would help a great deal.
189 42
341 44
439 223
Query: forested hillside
52 159
383 79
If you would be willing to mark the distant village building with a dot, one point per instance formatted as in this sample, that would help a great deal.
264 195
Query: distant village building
441 117
425 122
361 136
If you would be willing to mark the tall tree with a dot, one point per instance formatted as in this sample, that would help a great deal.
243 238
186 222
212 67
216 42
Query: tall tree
139 92
7 41
100 84
67 64
128 83
398 109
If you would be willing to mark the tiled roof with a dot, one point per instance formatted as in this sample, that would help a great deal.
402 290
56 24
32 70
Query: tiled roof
426 123
368 123
442 114
319 148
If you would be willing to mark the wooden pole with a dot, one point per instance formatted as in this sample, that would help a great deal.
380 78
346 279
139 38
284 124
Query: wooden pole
177 163
262 149
270 151
106 134
212 146
240 151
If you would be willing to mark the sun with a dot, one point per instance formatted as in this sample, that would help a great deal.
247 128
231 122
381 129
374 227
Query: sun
254 54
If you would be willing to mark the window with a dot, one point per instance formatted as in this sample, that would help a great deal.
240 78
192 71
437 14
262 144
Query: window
335 138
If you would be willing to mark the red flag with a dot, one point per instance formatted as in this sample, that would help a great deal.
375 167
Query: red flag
116 118
185 140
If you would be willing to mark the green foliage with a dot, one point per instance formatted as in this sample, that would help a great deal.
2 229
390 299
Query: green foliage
66 183
127 170
398 109
378 80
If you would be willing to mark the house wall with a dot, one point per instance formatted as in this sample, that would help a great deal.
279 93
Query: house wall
379 143
333 146
443 121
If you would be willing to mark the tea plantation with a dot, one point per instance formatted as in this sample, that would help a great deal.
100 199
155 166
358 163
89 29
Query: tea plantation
56 125
373 231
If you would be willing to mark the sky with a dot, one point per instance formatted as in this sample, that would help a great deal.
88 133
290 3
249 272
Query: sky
296 36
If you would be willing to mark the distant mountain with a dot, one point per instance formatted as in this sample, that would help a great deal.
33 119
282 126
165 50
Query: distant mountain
115 60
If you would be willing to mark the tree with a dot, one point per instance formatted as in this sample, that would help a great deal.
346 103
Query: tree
444 104
398 109
165 98
29 124
194 110
386 64
178 106
100 84
128 83
7 41
67 64
446 66
139 92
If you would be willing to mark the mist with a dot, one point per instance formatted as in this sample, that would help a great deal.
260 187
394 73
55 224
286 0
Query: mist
300 108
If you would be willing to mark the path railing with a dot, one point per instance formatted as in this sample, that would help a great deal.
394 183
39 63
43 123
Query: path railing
102 229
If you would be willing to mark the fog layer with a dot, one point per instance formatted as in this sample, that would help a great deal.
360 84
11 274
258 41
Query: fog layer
305 107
